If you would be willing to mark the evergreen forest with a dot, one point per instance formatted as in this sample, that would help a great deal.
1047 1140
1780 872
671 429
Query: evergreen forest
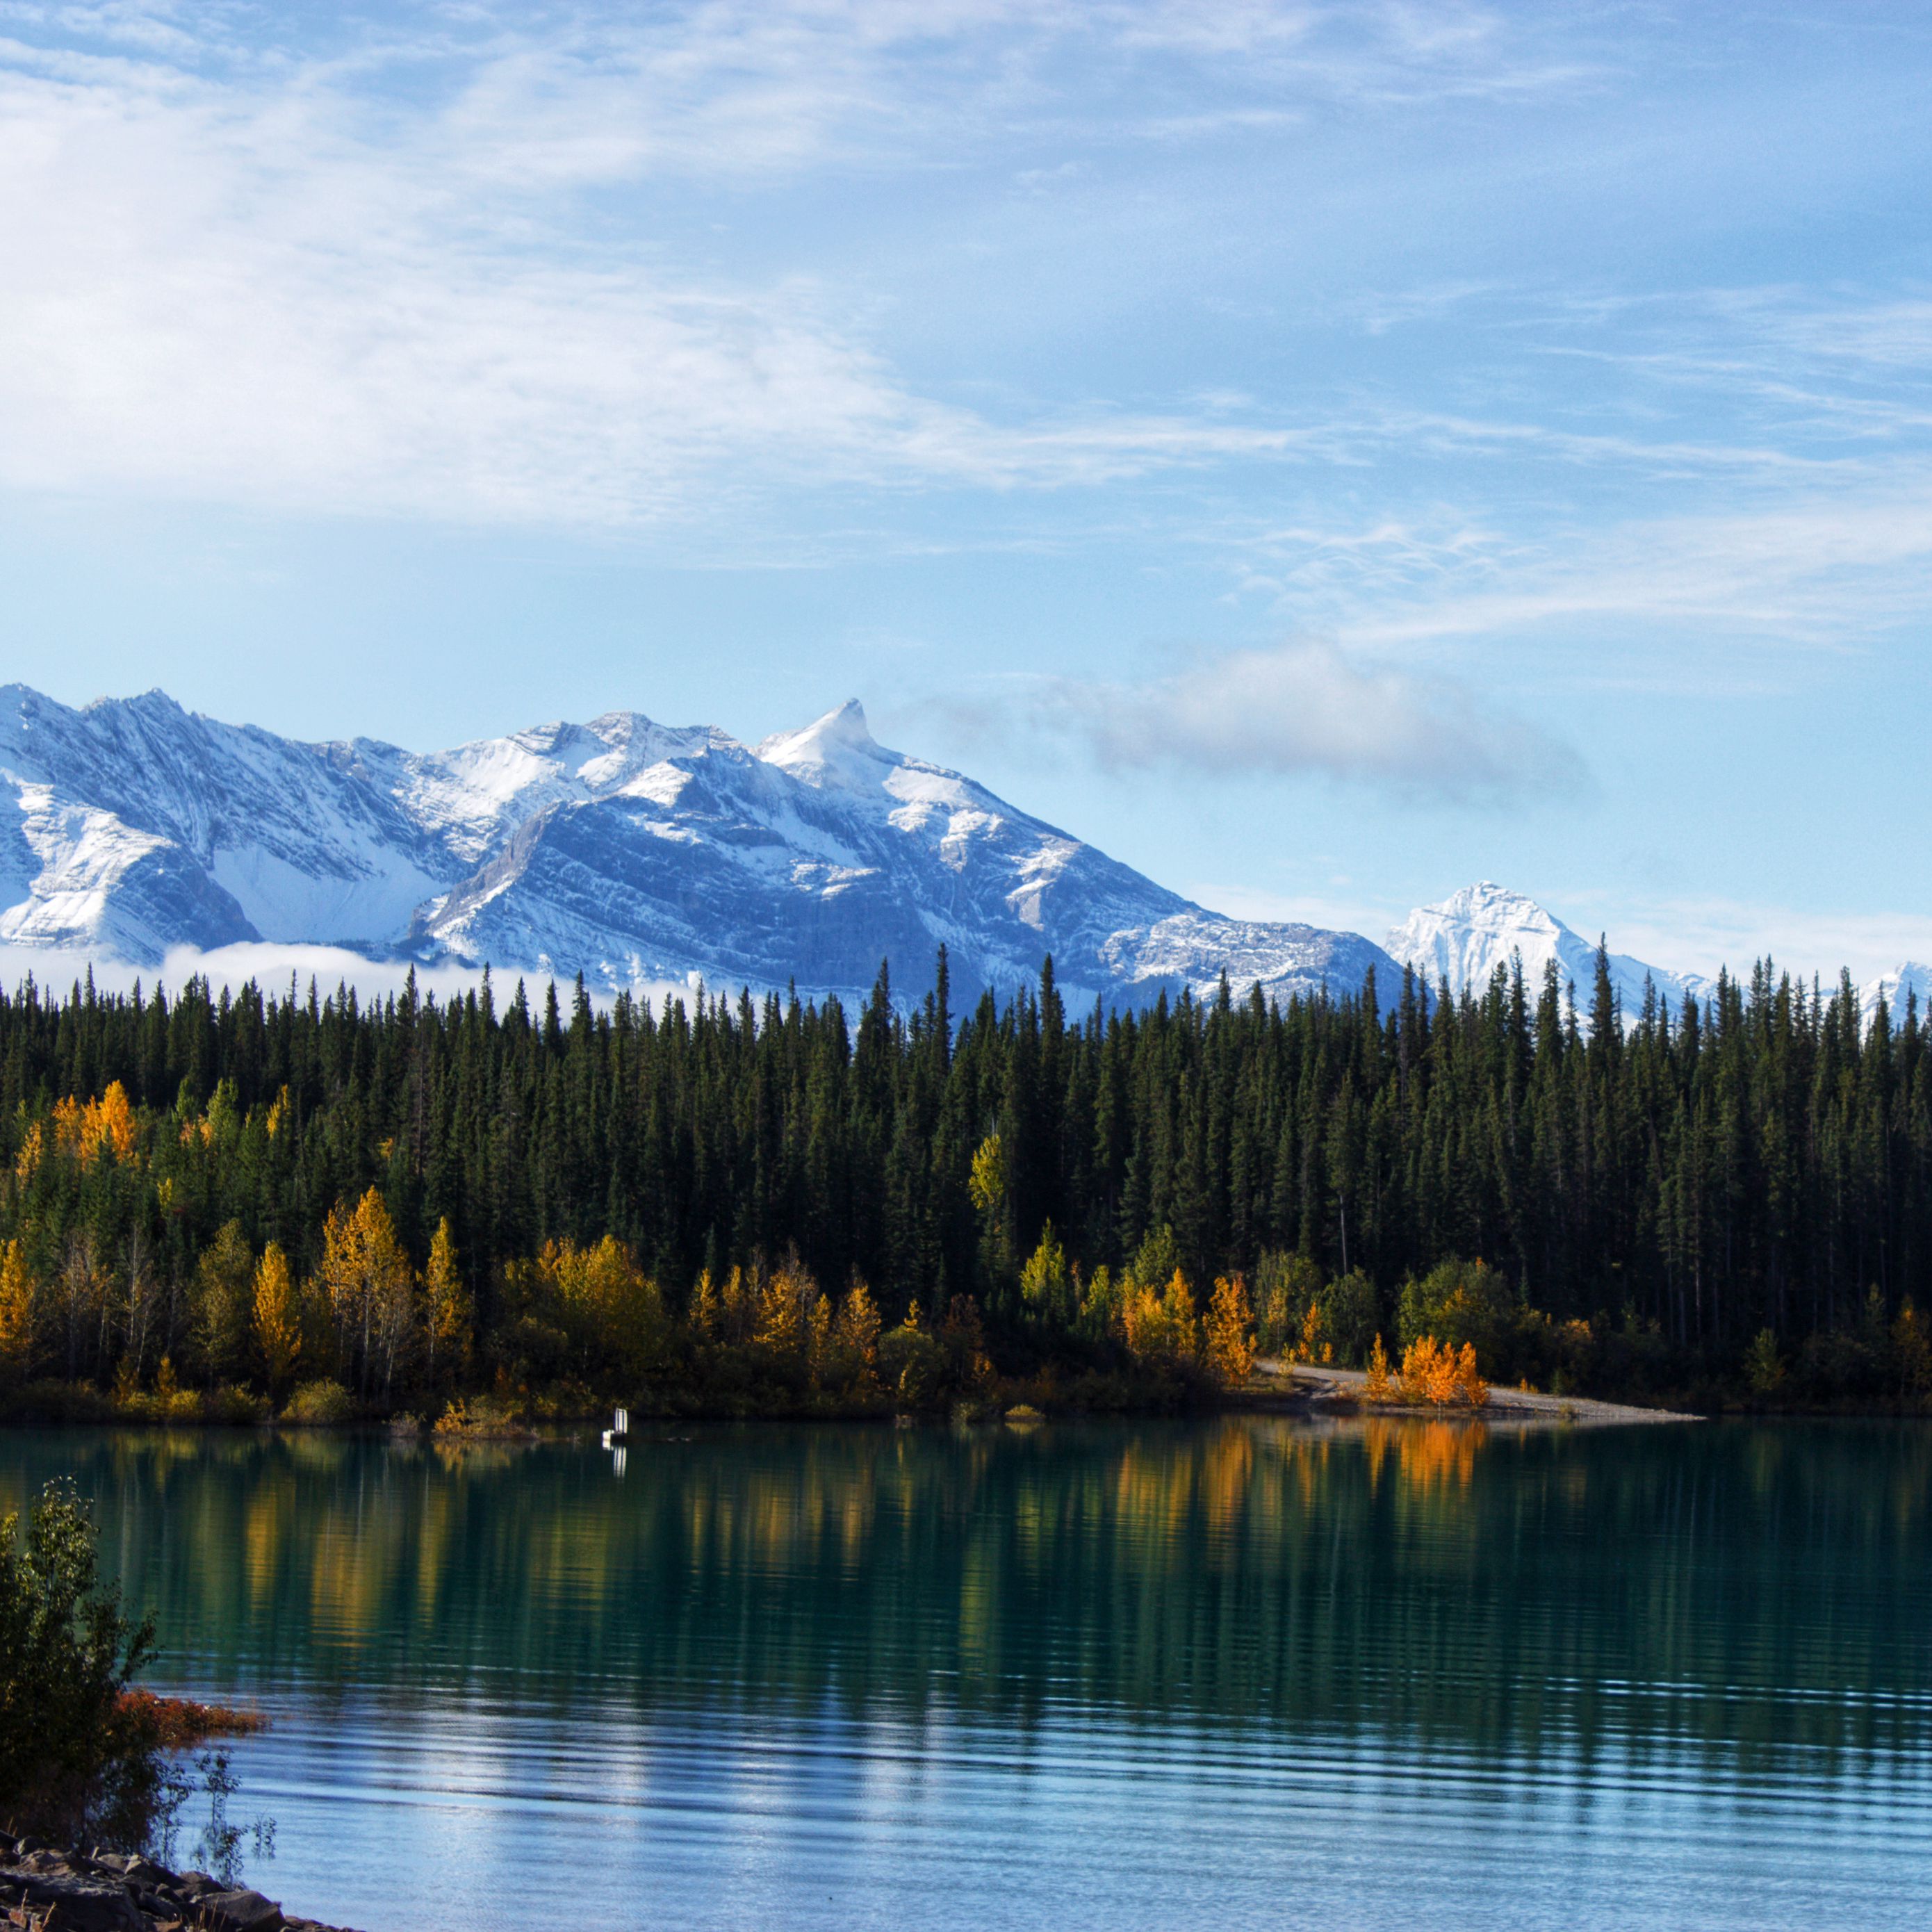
746 1206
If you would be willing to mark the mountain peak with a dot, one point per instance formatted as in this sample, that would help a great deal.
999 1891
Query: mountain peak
1491 905
837 748
1466 936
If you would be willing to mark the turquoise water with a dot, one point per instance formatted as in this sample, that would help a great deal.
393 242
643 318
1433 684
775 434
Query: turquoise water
1234 1673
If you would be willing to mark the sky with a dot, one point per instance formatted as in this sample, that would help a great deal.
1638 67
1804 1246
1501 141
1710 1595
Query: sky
1322 454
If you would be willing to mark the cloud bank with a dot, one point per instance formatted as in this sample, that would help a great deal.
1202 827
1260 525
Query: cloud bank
1299 709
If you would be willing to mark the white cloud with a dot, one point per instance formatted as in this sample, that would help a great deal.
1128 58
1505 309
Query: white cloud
1300 708
378 276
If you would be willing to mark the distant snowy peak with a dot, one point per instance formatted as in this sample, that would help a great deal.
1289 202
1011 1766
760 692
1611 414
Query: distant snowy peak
1897 989
1470 934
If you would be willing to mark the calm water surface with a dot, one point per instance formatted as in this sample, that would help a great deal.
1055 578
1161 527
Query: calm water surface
1230 1673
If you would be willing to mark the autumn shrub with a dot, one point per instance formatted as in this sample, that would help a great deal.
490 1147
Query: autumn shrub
320 1403
478 1417
1438 1373
1379 1387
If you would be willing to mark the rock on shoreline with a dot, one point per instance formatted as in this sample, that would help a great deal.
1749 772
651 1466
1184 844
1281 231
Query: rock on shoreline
110 1891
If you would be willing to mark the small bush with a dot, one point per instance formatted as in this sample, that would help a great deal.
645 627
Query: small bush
79 1758
320 1403
477 1418
1434 1371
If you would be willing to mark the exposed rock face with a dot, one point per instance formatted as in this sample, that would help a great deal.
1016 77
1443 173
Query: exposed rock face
68 1892
629 851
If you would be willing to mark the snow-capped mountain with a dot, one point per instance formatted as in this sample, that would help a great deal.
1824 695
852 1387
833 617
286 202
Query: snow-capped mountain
632 852
1466 937
1897 987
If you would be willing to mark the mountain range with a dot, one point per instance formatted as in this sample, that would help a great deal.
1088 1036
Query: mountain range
640 854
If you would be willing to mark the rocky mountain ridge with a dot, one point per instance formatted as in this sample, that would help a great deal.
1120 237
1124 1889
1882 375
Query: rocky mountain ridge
641 854
630 851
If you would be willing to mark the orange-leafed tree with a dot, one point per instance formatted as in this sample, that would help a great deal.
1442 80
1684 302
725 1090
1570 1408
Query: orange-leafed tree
17 1308
1230 1332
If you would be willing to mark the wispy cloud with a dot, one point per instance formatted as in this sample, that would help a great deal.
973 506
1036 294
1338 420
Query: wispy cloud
375 274
1304 709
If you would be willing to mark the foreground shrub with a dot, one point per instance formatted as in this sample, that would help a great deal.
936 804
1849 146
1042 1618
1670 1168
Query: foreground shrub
320 1403
79 1758
84 1757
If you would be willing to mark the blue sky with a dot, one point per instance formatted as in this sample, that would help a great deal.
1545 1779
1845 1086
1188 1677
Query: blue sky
1323 455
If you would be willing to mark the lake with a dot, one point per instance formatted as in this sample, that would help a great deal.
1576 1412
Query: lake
1236 1672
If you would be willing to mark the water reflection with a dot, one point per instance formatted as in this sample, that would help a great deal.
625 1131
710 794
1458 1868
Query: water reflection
1230 1614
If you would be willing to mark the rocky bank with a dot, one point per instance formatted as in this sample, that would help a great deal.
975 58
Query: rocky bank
53 1891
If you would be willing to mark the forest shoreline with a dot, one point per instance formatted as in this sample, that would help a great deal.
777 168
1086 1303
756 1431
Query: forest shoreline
1297 1390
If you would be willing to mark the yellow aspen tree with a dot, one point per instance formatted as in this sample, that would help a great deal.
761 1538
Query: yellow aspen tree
858 1330
451 1315
784 1310
1231 1336
33 1146
370 1286
109 1126
278 1335
17 1308
1377 1387
705 1311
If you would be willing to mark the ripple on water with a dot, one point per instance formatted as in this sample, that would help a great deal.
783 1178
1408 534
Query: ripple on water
1148 1675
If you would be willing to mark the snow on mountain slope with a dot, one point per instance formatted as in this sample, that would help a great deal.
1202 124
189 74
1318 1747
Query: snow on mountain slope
1471 933
243 832
819 854
632 851
1896 988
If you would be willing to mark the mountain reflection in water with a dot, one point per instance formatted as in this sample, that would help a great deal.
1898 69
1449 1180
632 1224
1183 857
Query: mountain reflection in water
1128 1674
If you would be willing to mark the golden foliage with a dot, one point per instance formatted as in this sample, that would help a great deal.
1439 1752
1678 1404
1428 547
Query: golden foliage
89 1128
1163 1328
785 1309
987 1182
16 1307
451 1314
33 1146
277 1318
1230 1336
1433 1372
1314 1345
370 1286
613 1311
1378 1388
857 1331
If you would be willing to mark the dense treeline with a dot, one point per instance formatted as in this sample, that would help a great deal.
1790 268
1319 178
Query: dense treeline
1727 1190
